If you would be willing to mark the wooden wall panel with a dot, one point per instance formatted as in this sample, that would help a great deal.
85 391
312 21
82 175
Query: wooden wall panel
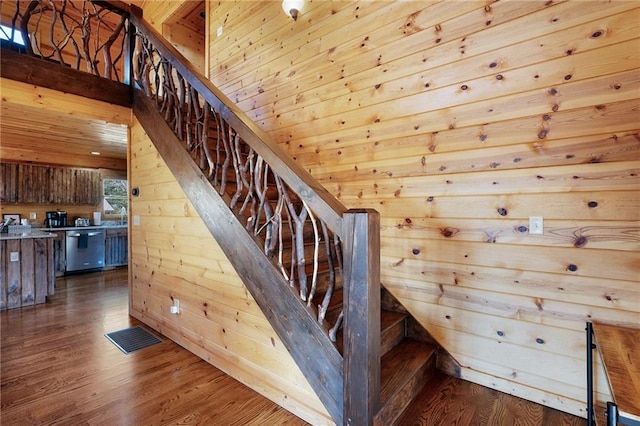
457 123
174 257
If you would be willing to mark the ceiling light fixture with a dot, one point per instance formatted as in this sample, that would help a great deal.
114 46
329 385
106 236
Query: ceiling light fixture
292 8
95 153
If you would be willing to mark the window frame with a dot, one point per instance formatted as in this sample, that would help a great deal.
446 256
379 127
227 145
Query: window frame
116 213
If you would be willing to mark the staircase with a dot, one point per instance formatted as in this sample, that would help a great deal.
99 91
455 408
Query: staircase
292 221
261 205
408 354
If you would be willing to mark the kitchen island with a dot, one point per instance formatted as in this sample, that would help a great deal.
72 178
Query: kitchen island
27 273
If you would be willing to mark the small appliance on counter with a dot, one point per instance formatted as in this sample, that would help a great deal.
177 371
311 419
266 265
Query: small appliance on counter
82 221
57 219
4 226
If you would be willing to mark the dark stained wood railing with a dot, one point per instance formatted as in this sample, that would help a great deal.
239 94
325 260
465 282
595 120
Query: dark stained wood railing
256 201
86 36
290 232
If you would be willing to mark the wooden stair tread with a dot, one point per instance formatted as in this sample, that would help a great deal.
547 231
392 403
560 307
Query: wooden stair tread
620 351
404 372
392 329
389 318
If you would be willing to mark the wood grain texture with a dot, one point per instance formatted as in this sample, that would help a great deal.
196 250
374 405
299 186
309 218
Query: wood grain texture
457 123
41 125
163 384
37 184
448 401
303 337
173 255
619 348
30 279
361 274
57 366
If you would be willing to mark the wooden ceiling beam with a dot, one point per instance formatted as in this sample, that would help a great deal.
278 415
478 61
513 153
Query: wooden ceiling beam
43 73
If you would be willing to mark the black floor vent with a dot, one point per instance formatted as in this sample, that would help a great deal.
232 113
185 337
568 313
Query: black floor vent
132 339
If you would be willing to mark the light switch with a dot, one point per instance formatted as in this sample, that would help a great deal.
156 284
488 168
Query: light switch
136 220
15 256
536 225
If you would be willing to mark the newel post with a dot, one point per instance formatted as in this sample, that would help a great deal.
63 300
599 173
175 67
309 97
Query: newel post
361 289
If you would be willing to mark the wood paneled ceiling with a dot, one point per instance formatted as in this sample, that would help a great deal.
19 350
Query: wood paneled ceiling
44 126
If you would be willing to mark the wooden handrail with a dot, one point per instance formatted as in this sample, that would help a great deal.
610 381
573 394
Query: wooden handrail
326 206
359 230
301 334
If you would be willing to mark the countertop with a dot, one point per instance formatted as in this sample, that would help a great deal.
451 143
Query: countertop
26 235
37 232
80 228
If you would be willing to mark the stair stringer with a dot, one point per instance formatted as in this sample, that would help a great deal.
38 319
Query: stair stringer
306 341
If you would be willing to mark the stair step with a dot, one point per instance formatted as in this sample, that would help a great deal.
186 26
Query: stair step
392 330
405 370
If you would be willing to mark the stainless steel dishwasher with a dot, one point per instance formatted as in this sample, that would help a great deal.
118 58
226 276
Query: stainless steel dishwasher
84 249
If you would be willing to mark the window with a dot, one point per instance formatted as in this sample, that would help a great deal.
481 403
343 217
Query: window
6 33
115 193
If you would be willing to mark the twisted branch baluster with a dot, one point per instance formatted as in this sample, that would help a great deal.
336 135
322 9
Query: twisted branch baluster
226 133
52 27
284 201
219 147
322 308
316 246
53 42
69 36
24 25
252 198
109 64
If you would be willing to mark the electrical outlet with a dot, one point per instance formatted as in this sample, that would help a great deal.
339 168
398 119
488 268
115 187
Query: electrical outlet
536 225
175 308
32 215
219 32
15 256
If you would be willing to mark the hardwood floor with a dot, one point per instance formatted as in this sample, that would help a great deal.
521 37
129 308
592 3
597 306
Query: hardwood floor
449 401
58 368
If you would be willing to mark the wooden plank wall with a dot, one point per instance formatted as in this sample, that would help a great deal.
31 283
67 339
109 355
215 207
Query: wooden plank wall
173 256
35 184
458 121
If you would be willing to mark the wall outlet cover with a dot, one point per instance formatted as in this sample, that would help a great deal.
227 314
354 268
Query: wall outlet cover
536 225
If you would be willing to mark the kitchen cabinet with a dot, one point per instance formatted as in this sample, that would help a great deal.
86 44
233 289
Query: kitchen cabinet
29 183
116 250
9 185
59 256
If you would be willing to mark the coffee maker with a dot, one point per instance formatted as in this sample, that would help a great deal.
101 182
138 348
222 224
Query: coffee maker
57 219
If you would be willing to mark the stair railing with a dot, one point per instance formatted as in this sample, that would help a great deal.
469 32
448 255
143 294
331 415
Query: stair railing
264 193
268 192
